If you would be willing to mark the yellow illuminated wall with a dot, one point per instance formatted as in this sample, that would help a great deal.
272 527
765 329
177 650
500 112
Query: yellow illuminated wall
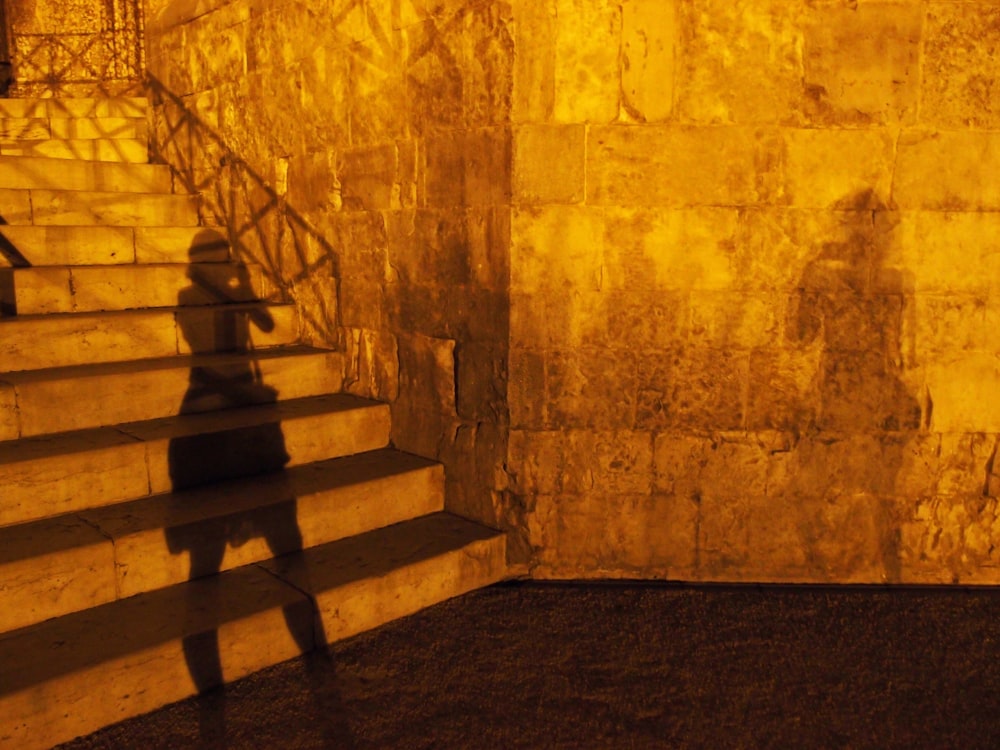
754 273
696 289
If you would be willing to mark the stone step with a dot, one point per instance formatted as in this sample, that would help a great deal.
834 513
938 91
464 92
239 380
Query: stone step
30 172
73 128
35 342
74 674
95 245
126 150
53 475
63 108
41 402
85 207
61 565
62 289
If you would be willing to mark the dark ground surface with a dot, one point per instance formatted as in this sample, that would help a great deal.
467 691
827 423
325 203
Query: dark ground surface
626 666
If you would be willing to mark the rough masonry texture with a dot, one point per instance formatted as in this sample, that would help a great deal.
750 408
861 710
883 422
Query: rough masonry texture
753 280
360 152
75 47
689 289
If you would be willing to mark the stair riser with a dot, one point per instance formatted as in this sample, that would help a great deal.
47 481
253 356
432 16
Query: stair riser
73 128
102 565
37 488
48 406
121 150
41 173
61 580
94 245
322 517
363 605
84 208
71 705
54 341
34 291
74 108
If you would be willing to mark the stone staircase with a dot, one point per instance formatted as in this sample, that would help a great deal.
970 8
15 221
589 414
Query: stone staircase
185 495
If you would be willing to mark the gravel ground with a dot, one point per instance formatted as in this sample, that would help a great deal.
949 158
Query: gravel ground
535 665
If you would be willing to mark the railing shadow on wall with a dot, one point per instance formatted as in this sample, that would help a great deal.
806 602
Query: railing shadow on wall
260 225
54 62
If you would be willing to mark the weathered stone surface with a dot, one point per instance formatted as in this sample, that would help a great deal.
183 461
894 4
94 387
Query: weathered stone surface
727 217
692 388
660 165
648 48
839 169
549 164
947 170
534 74
727 51
861 63
964 393
53 567
959 84
587 81
946 253
469 168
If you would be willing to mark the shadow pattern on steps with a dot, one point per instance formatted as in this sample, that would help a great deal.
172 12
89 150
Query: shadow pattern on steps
200 459
15 259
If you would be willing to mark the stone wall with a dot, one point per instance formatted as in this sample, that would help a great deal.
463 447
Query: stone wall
738 259
359 151
75 47
755 252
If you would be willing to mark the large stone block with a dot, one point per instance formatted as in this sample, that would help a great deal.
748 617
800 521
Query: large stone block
782 392
556 246
586 68
951 539
469 168
536 461
736 319
847 538
775 246
660 165
658 249
945 253
526 388
593 534
486 41
740 62
960 87
824 466
449 247
841 169
649 42
947 170
427 372
367 177
861 63
589 387
964 464
965 391
534 64
693 388
549 164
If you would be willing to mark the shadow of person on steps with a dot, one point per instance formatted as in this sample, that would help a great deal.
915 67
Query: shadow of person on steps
210 323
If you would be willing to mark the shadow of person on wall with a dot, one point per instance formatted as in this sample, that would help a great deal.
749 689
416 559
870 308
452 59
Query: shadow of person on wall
202 458
853 305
